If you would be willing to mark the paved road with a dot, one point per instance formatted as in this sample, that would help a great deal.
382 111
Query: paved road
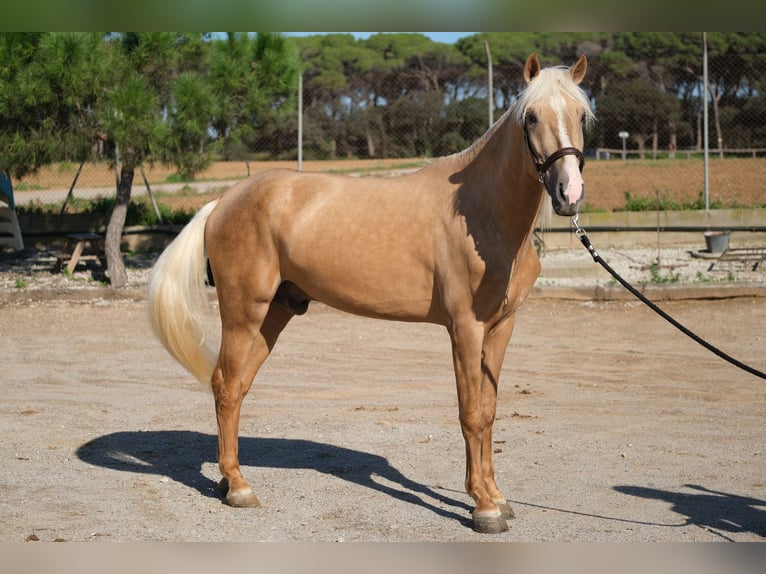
57 195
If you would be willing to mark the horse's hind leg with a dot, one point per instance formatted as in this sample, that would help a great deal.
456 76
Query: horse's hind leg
245 345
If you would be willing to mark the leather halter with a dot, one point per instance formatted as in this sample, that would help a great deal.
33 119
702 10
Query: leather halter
543 166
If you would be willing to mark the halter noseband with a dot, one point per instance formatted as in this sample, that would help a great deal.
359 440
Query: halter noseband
543 167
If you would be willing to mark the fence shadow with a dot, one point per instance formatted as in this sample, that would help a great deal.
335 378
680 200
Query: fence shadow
710 509
180 455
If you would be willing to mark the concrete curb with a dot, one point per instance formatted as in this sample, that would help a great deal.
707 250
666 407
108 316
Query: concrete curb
655 293
21 296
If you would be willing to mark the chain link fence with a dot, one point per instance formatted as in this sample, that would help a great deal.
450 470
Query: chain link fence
636 164
158 196
67 188
666 182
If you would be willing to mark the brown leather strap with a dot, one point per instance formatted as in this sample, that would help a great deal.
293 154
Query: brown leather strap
559 153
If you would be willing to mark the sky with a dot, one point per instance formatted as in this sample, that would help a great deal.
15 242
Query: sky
444 37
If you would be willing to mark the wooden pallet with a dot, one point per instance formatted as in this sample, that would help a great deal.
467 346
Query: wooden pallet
746 256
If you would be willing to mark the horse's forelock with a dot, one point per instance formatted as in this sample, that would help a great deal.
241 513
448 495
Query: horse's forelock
550 82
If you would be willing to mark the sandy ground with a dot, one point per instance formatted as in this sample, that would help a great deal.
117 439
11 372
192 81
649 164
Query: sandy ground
611 426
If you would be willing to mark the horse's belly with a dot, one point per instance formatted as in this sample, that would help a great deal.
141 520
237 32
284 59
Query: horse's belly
373 287
373 257
378 305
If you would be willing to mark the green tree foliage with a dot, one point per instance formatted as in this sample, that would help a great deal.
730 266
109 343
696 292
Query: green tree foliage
49 85
186 131
637 104
181 98
252 81
385 96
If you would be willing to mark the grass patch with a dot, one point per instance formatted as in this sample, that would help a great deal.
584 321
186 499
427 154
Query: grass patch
657 278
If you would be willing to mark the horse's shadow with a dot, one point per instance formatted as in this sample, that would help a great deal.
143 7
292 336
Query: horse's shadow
180 455
710 509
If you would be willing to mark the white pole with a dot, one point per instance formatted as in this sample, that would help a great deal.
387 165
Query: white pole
704 121
300 121
490 89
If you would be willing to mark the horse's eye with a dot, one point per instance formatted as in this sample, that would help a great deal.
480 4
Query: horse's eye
531 118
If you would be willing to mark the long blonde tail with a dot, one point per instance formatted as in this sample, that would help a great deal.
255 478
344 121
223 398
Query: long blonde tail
177 299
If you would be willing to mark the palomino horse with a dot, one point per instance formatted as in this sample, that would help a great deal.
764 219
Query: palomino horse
449 244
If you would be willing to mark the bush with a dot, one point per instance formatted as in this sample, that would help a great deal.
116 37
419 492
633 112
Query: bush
140 212
659 203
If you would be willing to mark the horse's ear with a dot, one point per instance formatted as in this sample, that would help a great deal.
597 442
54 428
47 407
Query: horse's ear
532 67
578 70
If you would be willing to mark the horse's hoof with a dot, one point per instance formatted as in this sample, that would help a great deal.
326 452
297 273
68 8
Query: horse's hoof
505 510
489 524
243 499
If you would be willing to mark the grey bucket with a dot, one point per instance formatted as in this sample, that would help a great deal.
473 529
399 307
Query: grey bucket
717 241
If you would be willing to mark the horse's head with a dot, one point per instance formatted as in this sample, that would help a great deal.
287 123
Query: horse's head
554 112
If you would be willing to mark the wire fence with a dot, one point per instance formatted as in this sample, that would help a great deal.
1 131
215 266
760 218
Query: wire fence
635 170
157 194
667 181
69 188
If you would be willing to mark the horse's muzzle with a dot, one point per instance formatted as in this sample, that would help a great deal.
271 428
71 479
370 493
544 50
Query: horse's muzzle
563 193
568 209
561 174
565 207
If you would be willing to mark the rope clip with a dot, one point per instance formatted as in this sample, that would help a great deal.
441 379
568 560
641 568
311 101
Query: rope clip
582 235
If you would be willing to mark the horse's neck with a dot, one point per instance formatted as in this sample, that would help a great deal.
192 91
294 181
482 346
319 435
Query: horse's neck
499 165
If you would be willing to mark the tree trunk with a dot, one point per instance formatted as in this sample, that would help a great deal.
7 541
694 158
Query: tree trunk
673 145
640 139
715 96
118 276
718 132
699 131
370 143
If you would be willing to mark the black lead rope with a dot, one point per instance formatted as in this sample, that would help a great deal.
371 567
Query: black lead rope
583 237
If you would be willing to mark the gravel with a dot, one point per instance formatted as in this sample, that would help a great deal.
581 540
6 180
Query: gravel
33 270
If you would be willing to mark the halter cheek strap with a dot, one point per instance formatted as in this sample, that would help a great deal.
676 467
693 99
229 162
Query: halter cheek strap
543 167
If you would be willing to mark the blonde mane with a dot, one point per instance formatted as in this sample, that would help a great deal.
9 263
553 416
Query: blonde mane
550 83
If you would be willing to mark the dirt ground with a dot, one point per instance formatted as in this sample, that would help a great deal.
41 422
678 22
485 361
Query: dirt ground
611 426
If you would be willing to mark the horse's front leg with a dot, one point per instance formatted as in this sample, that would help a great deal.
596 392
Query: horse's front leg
493 353
477 411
